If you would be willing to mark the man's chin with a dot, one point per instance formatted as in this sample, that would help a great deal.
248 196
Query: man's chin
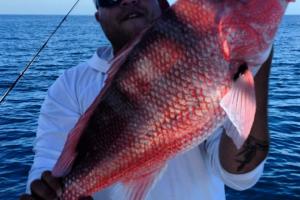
135 25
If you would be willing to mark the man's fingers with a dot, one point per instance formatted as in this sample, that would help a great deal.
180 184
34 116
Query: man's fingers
26 197
41 190
53 182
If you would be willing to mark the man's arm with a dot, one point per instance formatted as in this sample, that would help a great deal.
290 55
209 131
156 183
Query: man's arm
256 147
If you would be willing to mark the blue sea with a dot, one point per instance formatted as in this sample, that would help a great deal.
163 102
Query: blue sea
76 41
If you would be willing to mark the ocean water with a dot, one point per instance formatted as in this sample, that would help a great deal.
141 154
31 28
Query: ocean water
21 36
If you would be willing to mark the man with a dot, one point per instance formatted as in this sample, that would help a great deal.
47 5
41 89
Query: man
198 174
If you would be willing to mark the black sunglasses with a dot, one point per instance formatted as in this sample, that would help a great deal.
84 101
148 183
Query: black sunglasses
107 3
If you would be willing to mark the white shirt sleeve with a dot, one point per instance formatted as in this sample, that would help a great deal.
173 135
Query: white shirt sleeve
66 100
234 181
58 115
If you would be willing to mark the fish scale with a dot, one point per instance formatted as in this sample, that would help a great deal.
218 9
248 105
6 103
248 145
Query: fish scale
167 92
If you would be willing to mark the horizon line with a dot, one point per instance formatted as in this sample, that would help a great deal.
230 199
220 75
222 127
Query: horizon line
1 14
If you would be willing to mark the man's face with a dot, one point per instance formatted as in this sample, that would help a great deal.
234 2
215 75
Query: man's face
124 21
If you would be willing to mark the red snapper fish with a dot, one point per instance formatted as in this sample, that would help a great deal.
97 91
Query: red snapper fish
167 91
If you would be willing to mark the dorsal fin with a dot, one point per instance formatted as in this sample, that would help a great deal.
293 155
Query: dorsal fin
119 59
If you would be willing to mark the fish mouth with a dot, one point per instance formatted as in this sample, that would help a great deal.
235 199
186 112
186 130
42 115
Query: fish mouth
134 14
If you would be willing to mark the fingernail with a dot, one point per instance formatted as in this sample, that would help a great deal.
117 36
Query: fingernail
59 192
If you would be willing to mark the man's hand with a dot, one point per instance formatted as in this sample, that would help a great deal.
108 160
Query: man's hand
46 188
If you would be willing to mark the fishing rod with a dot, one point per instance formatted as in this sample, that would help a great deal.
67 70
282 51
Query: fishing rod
35 56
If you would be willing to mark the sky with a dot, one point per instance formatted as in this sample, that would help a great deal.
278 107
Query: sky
61 7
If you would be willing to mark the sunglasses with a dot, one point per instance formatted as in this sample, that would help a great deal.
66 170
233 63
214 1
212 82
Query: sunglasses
107 3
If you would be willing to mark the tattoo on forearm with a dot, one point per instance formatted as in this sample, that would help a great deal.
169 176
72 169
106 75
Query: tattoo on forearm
249 150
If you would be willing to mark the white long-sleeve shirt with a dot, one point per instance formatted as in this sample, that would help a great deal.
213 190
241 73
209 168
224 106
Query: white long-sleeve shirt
194 175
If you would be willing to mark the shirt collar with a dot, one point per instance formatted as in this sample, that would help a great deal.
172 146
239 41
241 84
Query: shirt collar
100 60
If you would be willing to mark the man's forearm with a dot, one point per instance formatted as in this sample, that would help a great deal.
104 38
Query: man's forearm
256 147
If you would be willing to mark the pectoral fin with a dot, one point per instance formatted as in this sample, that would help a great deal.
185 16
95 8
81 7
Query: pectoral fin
240 106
